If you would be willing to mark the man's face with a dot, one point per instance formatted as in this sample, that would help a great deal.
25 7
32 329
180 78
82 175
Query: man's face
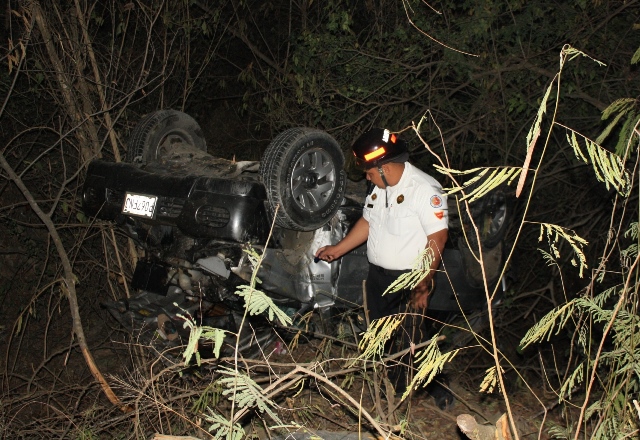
373 175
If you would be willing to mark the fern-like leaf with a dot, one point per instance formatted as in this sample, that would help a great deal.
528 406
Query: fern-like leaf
627 134
633 231
379 332
484 181
410 280
560 432
575 378
553 234
619 106
490 380
608 167
548 258
552 322
532 137
430 362
593 408
568 53
197 332
257 302
223 428
606 295
636 57
245 392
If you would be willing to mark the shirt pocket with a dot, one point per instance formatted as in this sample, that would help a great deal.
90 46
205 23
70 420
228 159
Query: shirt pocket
399 221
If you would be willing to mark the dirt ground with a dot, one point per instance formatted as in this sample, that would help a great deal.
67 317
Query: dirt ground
316 408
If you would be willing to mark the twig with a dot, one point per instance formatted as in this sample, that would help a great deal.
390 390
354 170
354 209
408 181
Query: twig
67 283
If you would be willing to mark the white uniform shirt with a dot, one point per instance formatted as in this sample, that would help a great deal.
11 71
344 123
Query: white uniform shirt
398 233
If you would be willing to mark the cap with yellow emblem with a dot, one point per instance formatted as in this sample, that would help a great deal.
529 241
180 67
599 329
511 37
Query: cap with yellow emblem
379 146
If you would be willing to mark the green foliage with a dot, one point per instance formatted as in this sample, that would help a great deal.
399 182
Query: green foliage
574 379
636 57
245 392
379 332
223 428
626 110
550 324
430 362
559 432
345 65
237 387
607 167
210 397
485 180
197 332
623 373
420 270
256 301
490 380
554 233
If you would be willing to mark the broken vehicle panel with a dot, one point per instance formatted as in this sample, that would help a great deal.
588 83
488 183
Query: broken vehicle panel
194 217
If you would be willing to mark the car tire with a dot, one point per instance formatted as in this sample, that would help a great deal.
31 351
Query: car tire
154 135
490 214
493 220
302 170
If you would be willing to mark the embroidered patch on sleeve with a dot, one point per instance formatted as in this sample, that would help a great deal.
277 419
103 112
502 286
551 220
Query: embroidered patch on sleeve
439 214
436 201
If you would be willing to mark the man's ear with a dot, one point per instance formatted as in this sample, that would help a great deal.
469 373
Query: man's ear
390 167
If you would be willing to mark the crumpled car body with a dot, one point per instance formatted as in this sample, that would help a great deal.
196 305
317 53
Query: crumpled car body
195 217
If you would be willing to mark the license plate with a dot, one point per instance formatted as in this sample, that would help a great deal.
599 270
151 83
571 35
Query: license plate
140 205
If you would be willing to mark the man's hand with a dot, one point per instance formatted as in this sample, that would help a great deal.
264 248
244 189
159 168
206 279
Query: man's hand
356 236
328 253
420 294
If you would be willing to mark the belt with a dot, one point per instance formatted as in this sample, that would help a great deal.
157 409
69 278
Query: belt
390 272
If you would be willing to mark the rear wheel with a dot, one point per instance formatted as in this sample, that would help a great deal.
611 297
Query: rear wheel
302 170
158 133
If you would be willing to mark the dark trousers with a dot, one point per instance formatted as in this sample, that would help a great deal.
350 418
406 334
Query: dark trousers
412 329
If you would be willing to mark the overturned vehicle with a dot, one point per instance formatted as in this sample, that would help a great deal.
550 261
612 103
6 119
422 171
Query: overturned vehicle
196 217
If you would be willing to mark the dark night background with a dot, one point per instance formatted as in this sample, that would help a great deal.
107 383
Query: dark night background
78 75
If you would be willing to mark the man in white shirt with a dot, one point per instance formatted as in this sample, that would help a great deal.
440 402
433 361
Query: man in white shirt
405 213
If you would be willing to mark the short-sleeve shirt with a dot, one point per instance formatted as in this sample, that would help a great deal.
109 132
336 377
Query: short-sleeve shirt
416 207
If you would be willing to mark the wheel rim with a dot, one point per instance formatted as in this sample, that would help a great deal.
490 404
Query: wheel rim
495 217
168 142
313 180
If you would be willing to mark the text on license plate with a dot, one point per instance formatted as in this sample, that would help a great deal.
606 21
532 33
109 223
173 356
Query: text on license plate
138 204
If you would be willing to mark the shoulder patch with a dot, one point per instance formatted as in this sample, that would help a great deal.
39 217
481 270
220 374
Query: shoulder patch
439 214
436 201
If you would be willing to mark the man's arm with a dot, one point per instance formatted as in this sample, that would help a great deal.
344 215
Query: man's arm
356 236
420 294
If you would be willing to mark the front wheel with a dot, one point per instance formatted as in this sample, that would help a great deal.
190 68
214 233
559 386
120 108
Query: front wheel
302 170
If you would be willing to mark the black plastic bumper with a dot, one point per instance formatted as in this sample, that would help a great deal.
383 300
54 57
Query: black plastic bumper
200 206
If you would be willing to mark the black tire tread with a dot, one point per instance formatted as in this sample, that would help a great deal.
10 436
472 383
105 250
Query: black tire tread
497 237
143 132
274 159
